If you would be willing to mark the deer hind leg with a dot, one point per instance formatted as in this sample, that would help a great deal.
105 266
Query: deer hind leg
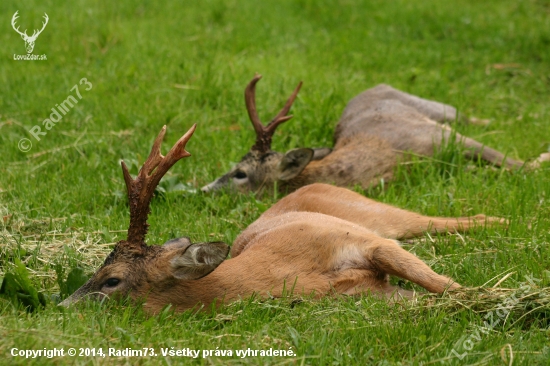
355 282
390 258
365 263
417 225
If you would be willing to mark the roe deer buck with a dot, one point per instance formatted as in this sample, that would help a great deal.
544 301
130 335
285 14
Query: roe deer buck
377 128
318 240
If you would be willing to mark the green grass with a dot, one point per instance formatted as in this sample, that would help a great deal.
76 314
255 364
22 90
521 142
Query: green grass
62 204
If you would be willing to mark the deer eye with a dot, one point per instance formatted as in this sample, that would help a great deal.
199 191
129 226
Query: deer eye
112 282
240 174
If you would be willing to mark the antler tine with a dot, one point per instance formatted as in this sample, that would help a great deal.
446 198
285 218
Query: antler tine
46 18
141 189
37 32
155 156
13 21
150 164
264 134
176 153
282 115
250 101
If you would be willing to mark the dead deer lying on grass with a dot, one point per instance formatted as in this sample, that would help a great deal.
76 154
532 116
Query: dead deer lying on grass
318 240
376 130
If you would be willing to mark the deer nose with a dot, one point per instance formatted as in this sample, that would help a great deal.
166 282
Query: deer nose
215 185
207 188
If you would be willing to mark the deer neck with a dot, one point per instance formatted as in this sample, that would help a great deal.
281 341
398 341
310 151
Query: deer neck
312 173
361 159
221 286
339 167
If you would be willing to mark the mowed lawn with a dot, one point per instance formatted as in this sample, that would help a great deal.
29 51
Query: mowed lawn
139 65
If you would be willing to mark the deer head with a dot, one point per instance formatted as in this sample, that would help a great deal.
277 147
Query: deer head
29 40
261 166
145 272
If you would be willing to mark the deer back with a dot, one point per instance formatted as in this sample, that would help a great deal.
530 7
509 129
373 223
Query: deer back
407 122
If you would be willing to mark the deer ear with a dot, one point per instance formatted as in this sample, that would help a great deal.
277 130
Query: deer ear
197 260
321 152
182 242
294 162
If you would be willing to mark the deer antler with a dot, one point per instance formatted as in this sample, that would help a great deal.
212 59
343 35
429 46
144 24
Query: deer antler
264 134
13 20
36 33
141 189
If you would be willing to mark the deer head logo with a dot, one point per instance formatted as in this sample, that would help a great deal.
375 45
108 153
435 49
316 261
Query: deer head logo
29 41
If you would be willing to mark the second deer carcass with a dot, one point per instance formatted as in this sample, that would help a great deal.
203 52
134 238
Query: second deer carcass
319 240
376 131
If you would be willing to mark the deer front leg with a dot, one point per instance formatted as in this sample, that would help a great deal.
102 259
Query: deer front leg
414 225
387 221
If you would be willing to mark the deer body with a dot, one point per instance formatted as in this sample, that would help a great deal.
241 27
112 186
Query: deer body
377 130
319 240
409 123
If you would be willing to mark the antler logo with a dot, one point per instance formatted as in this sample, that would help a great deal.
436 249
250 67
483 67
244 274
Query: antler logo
29 41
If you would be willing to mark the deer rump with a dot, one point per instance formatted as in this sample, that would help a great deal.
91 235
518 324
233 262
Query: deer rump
377 130
318 240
